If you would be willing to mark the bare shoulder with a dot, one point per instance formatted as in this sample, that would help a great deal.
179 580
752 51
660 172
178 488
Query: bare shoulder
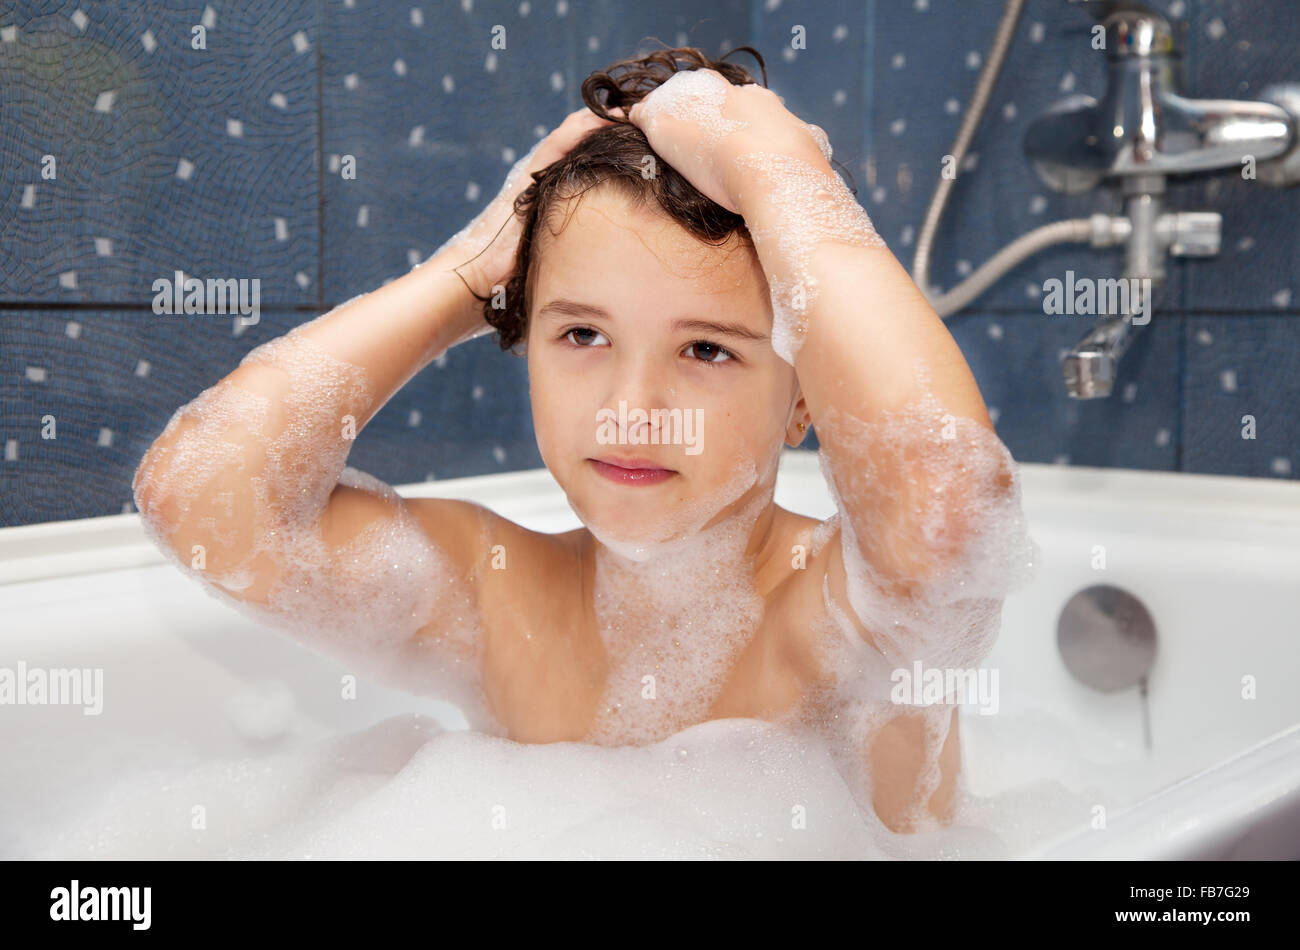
809 542
540 656
820 581
479 540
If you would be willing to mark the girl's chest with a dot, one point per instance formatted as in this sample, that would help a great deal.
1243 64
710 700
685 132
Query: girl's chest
565 663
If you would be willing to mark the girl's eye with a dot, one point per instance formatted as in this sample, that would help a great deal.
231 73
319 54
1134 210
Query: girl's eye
712 350
716 349
569 333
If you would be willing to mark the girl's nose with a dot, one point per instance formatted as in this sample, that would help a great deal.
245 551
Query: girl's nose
640 384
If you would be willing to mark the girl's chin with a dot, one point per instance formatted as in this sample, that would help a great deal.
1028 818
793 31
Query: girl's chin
628 523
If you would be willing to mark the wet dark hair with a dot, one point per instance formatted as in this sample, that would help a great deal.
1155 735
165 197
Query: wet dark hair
615 155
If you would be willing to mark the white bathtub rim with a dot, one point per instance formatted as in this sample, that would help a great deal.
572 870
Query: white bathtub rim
112 542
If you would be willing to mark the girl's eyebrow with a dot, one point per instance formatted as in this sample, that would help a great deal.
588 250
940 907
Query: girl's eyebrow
738 330
573 308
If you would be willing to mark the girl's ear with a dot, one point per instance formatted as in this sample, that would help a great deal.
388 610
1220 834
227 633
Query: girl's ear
798 414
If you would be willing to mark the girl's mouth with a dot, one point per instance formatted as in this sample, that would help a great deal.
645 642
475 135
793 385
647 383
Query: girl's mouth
632 471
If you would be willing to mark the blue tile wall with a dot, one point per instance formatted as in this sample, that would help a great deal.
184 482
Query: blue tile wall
1240 391
225 162
1241 48
166 157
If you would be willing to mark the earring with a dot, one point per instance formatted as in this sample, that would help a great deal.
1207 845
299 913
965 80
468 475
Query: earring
802 426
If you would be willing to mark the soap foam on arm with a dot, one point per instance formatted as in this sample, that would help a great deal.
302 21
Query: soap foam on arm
248 491
933 535
928 538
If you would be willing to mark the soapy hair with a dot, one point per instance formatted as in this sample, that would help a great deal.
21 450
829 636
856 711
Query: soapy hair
615 155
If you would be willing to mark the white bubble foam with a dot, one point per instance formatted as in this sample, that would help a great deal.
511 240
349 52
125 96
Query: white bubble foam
247 477
263 710
925 575
695 95
944 549
813 207
404 788
678 619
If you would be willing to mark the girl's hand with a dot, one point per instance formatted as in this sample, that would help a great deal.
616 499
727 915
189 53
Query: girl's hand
495 265
700 123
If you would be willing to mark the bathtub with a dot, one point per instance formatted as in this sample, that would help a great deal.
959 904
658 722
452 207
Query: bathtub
194 688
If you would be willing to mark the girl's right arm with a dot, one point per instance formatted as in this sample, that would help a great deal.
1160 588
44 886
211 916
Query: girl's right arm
247 487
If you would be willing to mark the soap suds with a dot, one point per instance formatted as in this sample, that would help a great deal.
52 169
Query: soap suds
694 95
362 600
813 207
405 788
939 552
672 626
945 548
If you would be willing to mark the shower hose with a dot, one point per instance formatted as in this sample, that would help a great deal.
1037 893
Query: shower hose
1073 230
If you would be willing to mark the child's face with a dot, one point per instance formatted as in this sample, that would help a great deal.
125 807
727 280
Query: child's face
736 397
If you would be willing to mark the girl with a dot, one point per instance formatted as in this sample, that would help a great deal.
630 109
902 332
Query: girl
678 249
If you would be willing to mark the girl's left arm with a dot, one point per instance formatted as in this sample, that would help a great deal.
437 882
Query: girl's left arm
904 431
868 326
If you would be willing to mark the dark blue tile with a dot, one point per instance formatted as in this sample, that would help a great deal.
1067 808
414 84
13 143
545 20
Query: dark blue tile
433 117
822 78
878 76
434 135
152 176
112 379
78 391
605 31
1239 367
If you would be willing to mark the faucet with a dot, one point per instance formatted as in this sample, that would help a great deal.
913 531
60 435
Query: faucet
1141 132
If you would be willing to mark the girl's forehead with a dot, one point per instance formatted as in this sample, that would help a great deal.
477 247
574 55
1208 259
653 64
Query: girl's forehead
608 236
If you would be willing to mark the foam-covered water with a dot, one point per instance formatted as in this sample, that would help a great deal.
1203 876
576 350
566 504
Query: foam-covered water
405 788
